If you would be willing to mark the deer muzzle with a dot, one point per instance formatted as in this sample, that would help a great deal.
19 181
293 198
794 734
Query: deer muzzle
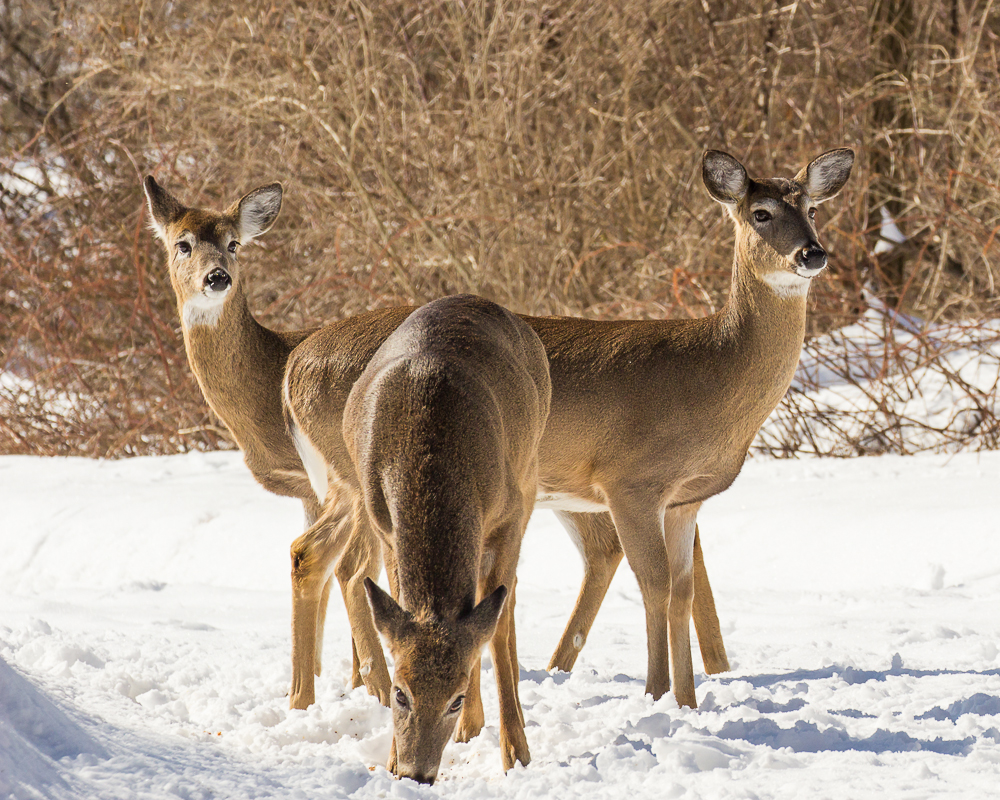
218 280
810 261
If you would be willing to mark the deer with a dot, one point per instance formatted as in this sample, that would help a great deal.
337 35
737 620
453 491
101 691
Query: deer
651 418
443 428
239 364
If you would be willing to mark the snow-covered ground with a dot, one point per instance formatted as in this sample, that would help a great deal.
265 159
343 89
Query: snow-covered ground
144 645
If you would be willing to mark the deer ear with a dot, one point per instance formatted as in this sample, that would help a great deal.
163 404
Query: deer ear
164 208
481 621
724 177
256 211
825 175
390 618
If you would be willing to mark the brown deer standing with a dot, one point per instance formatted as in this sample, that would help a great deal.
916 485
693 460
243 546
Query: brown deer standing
651 418
443 428
240 364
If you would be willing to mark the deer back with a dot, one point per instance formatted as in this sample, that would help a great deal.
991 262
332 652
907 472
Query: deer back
443 426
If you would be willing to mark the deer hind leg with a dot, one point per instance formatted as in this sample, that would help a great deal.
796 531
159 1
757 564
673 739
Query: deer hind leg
312 513
678 537
362 559
312 555
706 619
640 530
324 599
596 538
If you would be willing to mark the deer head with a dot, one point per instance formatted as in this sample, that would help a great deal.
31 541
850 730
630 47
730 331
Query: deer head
202 245
434 662
775 219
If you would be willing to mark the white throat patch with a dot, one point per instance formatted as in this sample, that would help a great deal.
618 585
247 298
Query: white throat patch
204 309
787 284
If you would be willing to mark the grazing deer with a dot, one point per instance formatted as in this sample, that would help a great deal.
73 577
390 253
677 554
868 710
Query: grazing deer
443 428
651 418
240 364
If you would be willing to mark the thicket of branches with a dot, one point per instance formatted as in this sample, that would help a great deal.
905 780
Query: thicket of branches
543 154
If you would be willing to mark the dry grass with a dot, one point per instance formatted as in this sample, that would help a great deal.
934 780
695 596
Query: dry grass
544 155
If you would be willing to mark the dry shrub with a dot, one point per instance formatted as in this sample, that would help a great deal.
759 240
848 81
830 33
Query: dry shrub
545 155
891 384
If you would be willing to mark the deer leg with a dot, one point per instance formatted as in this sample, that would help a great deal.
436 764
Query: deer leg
472 720
513 743
391 570
640 531
706 619
596 538
392 575
312 511
393 763
312 554
512 648
324 598
678 537
503 645
362 559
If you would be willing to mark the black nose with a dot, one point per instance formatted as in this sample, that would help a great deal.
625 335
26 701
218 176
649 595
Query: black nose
812 257
218 280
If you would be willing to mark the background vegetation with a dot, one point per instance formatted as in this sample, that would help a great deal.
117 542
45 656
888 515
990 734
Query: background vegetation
543 154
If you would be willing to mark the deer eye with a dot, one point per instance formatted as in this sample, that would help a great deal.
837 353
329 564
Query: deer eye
456 706
812 213
232 247
761 215
184 248
401 700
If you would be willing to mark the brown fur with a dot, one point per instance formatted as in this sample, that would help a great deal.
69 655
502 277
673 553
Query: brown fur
238 363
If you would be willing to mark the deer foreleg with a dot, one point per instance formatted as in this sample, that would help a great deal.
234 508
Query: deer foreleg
678 537
362 559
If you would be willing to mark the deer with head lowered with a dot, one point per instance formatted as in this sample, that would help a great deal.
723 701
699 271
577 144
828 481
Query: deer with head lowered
240 364
443 429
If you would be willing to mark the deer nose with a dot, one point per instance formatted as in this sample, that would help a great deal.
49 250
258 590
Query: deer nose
218 280
812 258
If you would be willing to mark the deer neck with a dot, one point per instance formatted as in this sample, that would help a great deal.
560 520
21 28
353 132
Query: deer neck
762 326
437 574
239 366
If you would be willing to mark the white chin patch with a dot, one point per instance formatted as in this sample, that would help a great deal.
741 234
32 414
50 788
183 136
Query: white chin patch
787 284
204 309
